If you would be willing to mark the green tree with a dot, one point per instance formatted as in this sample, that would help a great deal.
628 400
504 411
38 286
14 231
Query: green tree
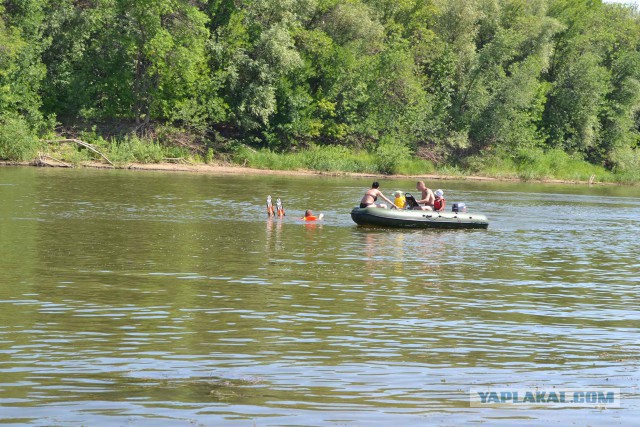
21 68
130 59
256 54
21 73
509 77
10 46
620 131
590 108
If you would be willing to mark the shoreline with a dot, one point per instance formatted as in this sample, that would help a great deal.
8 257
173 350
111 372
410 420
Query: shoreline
229 169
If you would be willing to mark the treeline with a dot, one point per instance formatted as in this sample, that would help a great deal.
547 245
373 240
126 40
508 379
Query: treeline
443 79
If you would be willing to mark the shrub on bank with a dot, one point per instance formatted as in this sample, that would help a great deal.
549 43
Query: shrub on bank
390 153
335 159
626 162
536 164
389 156
132 149
17 141
145 151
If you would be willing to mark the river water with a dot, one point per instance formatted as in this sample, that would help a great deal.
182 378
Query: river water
164 299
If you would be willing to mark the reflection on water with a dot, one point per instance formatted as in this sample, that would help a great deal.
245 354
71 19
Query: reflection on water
162 299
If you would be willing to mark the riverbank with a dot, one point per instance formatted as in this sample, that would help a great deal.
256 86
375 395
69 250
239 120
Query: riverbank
232 169
523 165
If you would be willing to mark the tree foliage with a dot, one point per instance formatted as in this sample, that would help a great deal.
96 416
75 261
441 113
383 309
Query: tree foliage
456 77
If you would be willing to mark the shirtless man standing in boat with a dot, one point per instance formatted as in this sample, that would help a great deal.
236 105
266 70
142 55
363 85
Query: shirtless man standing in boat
427 196
371 196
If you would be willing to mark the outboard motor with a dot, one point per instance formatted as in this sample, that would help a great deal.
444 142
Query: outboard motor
458 207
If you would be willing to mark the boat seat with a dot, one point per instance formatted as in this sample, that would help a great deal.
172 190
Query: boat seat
412 203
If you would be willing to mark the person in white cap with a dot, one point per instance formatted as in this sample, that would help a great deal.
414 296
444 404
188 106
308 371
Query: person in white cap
439 202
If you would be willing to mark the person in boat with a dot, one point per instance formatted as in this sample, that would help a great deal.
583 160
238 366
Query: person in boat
309 216
439 202
371 196
400 201
427 199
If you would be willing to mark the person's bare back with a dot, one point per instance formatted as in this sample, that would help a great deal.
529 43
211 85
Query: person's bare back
427 196
371 196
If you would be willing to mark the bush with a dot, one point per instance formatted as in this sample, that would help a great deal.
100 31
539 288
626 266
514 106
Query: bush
391 157
534 163
415 166
133 149
146 151
391 154
387 158
72 154
331 159
626 161
17 140
209 156
119 153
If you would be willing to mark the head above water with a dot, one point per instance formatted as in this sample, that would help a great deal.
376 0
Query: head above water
308 212
375 184
439 193
420 185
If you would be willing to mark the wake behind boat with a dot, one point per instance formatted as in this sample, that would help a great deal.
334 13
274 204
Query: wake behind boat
405 218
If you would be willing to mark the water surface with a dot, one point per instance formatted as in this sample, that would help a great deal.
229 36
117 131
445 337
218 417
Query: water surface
160 299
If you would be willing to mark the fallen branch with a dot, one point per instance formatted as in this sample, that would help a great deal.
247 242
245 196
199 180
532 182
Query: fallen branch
42 161
176 160
83 144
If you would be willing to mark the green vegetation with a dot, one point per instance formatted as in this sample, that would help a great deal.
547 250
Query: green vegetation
17 141
536 164
333 159
520 88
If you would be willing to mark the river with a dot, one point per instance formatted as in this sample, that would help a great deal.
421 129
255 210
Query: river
168 299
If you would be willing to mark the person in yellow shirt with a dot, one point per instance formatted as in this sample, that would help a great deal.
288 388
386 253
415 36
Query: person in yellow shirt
400 201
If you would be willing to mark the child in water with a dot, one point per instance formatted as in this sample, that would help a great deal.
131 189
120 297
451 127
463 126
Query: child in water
309 216
400 201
